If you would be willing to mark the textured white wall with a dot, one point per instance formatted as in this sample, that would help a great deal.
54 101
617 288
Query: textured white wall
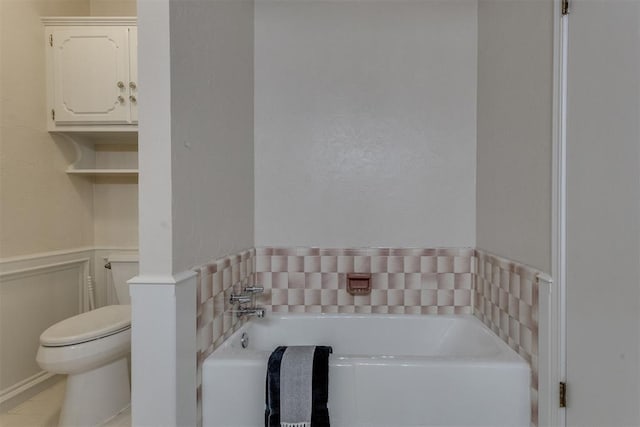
603 214
42 209
115 199
113 7
515 83
212 129
365 123
154 138
115 219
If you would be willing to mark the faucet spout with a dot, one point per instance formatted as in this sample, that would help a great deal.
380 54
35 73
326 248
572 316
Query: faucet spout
248 312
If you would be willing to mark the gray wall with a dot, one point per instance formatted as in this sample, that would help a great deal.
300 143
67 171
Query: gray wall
365 123
515 83
603 214
212 129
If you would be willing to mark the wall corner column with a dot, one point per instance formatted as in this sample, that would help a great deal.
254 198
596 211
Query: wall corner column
163 345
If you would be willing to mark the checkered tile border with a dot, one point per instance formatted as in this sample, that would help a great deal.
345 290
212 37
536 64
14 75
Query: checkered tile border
404 281
506 300
215 319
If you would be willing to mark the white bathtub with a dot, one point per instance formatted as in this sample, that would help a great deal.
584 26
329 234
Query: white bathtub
386 371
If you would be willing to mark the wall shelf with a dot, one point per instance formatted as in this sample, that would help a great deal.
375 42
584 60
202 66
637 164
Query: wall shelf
97 154
103 172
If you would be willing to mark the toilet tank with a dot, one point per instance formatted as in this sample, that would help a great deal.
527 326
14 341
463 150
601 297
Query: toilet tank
124 266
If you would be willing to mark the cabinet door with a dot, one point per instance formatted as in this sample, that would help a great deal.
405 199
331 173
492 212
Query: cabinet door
133 72
90 75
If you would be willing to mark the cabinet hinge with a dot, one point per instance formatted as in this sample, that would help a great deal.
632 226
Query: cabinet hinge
563 395
565 7
51 40
53 114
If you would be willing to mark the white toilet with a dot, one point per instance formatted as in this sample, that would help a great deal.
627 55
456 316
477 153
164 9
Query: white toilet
92 349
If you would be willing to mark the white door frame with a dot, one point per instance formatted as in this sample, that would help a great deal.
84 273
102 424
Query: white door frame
553 337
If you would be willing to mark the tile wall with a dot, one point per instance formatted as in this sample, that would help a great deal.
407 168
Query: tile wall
215 320
404 281
506 300
501 293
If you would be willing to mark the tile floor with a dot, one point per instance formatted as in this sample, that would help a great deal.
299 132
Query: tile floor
122 420
43 410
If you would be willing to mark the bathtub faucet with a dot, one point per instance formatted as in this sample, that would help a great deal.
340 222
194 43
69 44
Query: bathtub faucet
246 296
240 299
257 312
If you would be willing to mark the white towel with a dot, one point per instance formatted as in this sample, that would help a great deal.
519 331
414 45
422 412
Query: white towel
296 386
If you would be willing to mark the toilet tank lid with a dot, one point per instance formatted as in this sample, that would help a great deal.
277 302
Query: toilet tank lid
88 326
123 257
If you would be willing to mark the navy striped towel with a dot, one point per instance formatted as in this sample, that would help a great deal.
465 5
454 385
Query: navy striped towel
297 387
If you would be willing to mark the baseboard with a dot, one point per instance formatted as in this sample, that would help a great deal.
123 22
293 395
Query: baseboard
25 390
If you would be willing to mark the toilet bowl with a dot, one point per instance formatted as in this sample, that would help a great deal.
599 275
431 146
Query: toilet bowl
92 349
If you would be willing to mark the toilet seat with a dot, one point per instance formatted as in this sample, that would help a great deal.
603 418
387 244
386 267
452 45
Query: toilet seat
89 326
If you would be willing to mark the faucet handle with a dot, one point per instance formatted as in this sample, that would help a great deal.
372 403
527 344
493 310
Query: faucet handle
254 289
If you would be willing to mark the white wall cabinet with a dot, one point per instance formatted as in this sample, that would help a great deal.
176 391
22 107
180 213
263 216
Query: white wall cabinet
92 91
91 74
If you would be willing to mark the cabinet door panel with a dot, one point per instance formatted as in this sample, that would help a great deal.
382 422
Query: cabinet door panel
88 64
133 72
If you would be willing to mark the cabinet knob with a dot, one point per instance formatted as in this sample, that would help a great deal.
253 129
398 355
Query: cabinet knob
132 85
120 85
120 99
133 98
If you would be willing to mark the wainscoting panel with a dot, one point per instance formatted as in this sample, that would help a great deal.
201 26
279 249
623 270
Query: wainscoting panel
35 293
